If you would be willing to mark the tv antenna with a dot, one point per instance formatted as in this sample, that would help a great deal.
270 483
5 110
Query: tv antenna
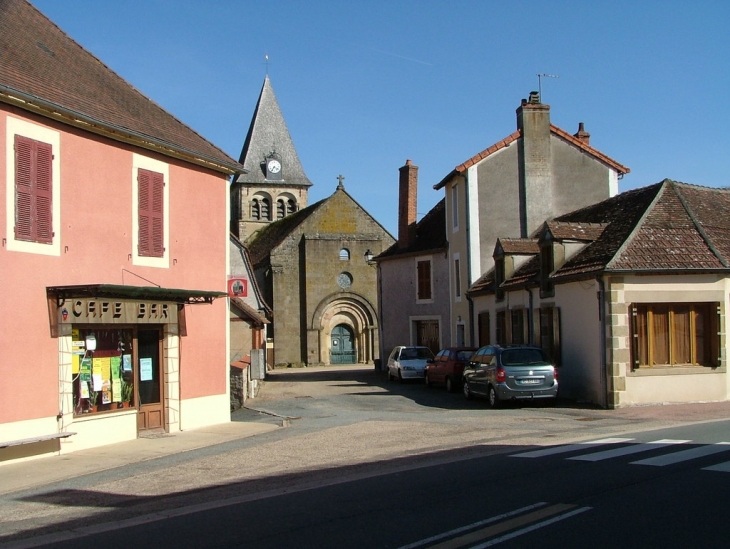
539 81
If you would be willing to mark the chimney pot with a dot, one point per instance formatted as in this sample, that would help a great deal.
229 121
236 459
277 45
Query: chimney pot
582 134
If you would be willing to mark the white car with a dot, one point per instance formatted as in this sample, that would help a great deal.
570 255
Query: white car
408 362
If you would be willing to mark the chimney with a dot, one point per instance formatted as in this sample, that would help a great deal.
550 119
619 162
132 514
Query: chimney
407 195
582 134
533 122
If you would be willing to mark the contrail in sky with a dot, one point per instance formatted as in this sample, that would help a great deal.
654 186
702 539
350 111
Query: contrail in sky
403 57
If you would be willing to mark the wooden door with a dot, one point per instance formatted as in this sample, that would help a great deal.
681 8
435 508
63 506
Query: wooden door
150 380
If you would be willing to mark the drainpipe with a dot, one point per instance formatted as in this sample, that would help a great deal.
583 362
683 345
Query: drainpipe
602 338
530 324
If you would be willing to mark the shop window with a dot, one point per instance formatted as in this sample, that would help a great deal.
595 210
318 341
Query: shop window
103 373
675 334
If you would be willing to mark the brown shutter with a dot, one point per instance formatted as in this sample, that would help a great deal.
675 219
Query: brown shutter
33 190
44 193
151 213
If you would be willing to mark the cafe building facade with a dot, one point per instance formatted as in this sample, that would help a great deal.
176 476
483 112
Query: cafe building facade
114 256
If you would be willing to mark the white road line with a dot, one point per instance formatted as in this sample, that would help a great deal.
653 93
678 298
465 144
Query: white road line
461 529
570 447
627 450
684 455
722 467
530 528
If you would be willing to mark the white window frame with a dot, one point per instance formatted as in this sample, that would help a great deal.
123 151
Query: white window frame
15 126
144 162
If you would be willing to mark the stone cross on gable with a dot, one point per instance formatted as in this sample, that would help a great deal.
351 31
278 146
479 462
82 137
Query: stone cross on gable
340 178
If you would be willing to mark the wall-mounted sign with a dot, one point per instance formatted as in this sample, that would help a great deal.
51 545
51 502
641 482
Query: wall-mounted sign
237 287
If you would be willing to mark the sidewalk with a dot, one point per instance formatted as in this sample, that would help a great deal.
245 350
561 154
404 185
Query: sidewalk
54 468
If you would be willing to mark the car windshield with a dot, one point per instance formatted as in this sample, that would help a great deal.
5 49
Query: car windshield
523 357
416 353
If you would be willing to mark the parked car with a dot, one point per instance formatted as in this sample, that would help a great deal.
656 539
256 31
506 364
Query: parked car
408 362
510 373
448 366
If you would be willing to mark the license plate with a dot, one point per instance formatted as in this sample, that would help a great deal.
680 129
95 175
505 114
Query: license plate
530 381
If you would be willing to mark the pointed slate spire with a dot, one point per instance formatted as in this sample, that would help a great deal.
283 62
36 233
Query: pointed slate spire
268 134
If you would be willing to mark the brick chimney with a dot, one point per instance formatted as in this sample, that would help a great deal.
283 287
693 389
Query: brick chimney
582 134
407 198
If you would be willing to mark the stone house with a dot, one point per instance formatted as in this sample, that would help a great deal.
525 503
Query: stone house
629 296
413 274
249 316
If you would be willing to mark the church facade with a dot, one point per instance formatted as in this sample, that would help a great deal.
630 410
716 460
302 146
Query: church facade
312 262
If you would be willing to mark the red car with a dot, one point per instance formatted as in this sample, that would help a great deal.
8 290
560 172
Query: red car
448 366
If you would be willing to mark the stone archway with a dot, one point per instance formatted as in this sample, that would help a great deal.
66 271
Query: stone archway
340 311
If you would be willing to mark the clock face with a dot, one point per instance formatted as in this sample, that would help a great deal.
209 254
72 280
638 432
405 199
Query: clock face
274 166
344 280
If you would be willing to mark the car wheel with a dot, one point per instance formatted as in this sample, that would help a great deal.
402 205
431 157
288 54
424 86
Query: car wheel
493 399
467 391
390 376
449 385
400 376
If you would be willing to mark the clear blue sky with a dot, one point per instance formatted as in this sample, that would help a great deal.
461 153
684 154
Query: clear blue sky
363 86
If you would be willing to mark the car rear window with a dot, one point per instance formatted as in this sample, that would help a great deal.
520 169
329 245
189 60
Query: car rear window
523 357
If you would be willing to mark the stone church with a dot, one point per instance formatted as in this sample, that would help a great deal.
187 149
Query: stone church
312 262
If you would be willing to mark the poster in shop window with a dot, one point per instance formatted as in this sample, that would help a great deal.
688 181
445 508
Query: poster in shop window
127 363
145 369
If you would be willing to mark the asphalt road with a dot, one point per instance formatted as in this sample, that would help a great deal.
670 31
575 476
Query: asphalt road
369 463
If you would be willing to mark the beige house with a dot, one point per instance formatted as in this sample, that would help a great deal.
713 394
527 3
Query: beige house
629 295
508 190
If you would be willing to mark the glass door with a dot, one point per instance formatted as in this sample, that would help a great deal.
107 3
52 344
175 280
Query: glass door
149 380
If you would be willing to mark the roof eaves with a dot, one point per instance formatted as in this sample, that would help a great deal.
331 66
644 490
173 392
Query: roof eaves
118 133
461 168
594 152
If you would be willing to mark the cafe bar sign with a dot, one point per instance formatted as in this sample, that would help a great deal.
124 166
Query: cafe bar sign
83 310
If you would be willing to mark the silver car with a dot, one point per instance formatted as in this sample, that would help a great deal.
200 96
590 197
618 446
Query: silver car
408 362
510 373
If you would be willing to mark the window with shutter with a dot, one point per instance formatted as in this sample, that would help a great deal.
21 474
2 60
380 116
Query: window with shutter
151 187
423 272
33 190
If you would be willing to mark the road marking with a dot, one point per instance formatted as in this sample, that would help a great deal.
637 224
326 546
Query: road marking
542 524
570 447
685 455
723 467
471 526
627 450
564 510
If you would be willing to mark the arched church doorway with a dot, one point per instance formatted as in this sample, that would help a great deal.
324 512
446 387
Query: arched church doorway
342 345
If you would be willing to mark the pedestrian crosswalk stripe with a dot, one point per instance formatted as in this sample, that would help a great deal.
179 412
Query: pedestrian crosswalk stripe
627 450
570 447
684 455
722 467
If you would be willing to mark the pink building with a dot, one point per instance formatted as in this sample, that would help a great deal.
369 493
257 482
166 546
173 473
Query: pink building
114 257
